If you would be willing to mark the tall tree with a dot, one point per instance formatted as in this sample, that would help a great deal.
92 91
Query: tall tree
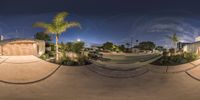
122 48
174 39
57 27
146 45
42 36
108 46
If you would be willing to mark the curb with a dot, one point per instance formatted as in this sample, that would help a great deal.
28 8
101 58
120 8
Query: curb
192 76
32 82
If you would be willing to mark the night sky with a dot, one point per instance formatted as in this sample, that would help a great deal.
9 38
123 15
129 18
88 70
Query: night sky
105 20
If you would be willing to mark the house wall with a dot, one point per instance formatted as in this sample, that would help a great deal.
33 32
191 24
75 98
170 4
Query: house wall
0 50
41 47
23 47
12 49
193 48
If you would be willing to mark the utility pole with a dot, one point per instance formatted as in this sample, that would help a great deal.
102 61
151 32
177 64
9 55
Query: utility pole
131 42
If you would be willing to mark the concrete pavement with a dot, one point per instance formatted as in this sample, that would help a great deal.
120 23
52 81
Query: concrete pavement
79 83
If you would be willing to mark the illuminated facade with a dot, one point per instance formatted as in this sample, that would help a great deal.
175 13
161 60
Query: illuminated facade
22 47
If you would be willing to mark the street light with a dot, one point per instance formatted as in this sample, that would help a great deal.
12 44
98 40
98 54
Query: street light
79 40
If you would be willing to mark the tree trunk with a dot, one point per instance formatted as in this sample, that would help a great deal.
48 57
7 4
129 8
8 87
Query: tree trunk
175 45
57 48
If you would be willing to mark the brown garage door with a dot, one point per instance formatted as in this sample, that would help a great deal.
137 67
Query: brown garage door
19 49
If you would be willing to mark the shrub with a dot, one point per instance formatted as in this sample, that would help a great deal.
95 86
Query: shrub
77 61
51 53
44 56
165 53
176 59
75 47
172 51
83 60
190 56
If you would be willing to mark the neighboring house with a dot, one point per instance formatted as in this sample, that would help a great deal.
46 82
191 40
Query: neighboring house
193 47
180 45
13 47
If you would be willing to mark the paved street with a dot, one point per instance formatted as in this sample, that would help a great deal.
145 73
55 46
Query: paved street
81 83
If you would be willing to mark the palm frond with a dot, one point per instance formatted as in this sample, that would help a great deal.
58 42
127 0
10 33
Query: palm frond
73 24
175 37
49 28
60 18
61 28
41 25
169 37
59 25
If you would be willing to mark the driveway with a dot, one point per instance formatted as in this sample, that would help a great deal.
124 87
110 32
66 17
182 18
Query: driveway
80 83
24 69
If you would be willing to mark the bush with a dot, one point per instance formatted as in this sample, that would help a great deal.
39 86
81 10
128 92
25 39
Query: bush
79 60
165 53
190 56
176 59
44 56
51 53
83 60
75 47
172 51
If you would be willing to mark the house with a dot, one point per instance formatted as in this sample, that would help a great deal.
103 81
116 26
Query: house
13 47
193 47
180 45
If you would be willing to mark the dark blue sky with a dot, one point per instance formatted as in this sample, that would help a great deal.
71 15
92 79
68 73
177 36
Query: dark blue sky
105 20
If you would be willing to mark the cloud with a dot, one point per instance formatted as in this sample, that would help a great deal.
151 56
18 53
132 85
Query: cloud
185 31
155 28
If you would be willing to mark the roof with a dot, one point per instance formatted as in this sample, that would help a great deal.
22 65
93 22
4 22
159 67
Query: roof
197 42
18 39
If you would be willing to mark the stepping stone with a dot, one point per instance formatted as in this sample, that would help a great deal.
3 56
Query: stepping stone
180 68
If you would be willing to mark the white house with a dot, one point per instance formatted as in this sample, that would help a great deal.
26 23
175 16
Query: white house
193 47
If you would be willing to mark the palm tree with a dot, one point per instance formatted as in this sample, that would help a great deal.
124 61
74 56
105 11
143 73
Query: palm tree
174 39
57 27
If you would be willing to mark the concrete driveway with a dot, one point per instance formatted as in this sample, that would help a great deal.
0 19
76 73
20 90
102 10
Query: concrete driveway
79 83
24 69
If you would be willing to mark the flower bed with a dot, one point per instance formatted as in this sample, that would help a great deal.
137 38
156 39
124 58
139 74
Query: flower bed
176 59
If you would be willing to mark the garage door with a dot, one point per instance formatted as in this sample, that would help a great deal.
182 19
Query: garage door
20 49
